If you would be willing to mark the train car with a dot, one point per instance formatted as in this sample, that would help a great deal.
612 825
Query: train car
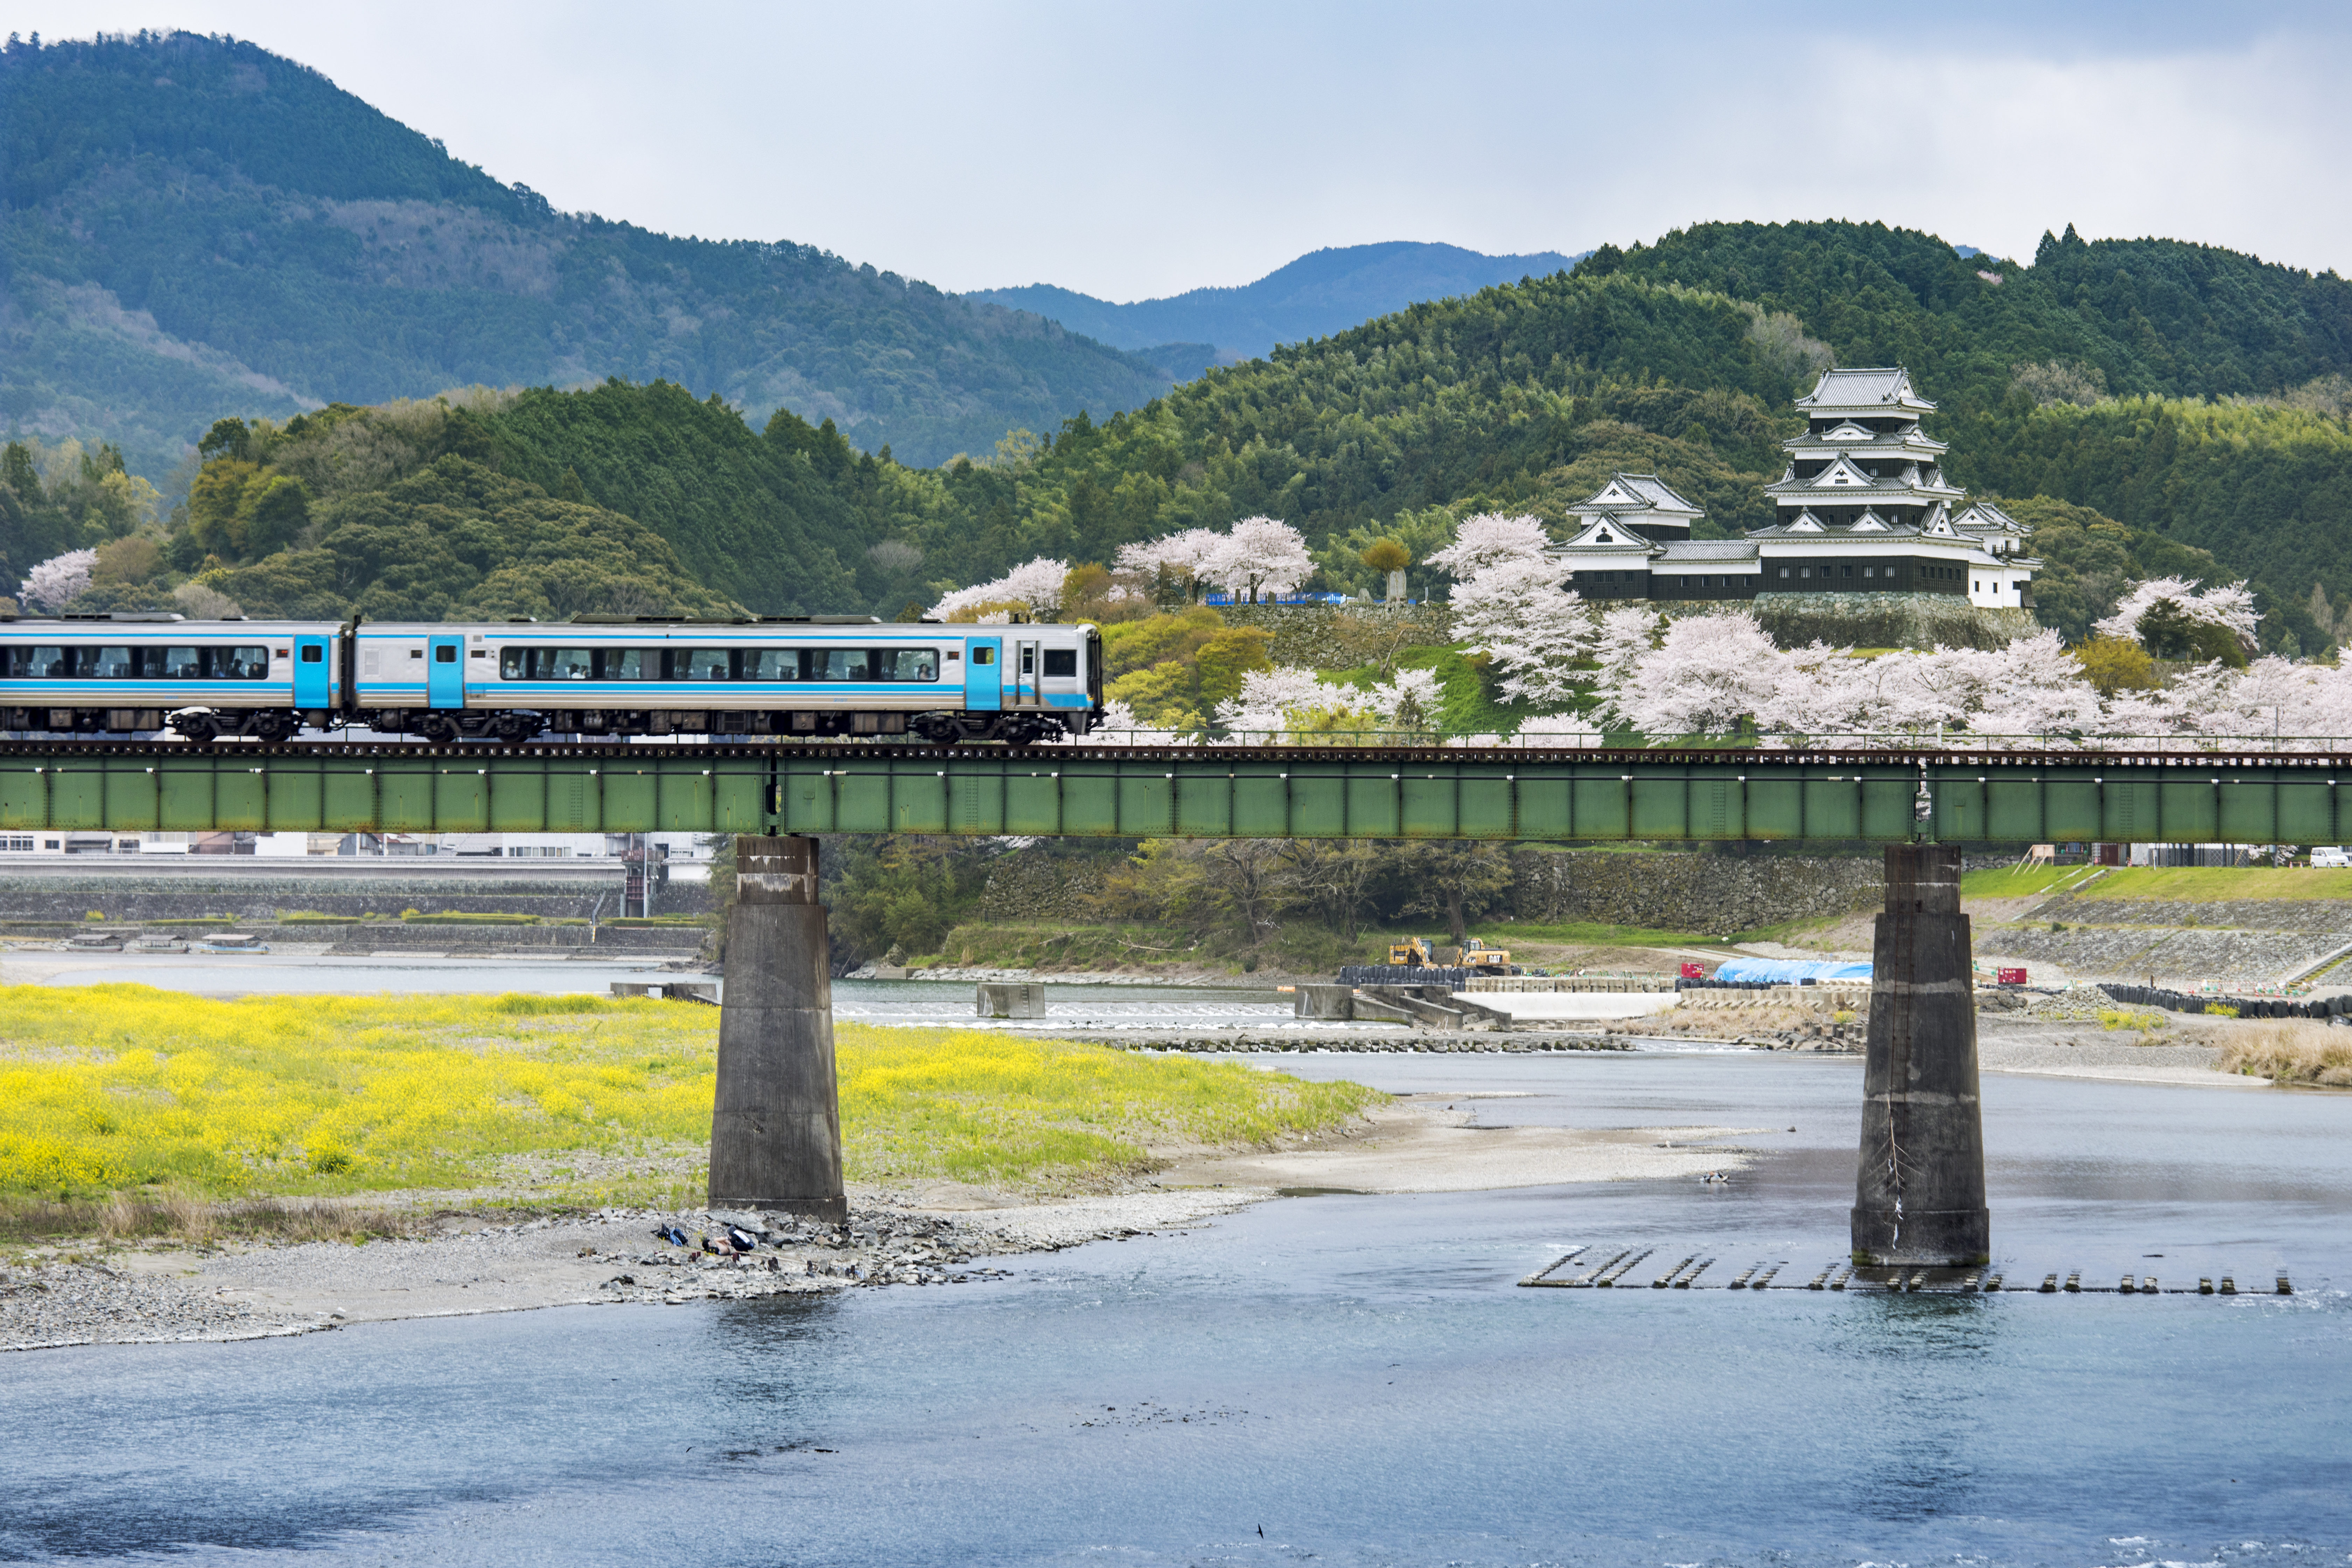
809 677
128 673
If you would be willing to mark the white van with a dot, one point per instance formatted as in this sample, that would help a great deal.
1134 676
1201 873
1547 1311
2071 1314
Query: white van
2330 855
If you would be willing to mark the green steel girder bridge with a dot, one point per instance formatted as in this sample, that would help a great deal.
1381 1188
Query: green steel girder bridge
1869 794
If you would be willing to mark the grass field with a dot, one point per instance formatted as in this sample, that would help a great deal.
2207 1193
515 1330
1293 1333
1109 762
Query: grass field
2184 884
113 1089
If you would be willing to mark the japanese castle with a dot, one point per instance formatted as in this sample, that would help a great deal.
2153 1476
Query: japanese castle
1863 508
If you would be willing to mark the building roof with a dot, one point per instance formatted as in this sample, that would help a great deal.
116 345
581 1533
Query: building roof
1607 534
1868 393
1983 517
1710 550
1636 492
1909 440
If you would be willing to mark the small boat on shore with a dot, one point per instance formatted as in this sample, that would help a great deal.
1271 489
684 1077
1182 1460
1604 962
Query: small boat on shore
231 941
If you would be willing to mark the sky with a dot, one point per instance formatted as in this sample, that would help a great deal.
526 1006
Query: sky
1131 151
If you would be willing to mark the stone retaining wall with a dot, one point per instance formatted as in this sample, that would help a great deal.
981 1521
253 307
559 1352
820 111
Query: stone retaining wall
1333 637
2226 941
1889 620
176 890
1713 894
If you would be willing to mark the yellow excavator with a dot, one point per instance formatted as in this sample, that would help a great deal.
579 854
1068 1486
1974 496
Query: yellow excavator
1413 953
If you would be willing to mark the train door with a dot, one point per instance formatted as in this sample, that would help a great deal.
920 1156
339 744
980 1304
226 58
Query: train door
1024 675
983 675
312 673
445 673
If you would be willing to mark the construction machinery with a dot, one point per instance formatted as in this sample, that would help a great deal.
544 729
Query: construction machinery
1415 954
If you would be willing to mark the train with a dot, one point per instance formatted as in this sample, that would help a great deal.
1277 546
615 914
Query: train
806 677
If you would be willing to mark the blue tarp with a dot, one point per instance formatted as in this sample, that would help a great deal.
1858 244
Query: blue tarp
1789 971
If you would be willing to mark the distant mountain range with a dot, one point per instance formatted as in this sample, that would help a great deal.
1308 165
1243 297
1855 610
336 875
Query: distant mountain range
192 227
1320 293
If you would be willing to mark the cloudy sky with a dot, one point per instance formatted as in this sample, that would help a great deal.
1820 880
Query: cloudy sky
1130 150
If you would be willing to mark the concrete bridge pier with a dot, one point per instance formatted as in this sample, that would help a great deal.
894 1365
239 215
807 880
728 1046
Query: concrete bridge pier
1919 1192
775 1127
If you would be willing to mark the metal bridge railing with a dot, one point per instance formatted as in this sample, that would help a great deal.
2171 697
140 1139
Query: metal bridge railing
1907 741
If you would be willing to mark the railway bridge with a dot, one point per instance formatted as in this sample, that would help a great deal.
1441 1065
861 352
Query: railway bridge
1868 794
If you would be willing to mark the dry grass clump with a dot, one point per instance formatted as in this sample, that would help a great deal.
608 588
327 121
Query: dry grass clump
2291 1050
195 1220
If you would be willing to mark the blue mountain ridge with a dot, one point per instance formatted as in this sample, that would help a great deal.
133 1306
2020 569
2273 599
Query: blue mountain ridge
1322 292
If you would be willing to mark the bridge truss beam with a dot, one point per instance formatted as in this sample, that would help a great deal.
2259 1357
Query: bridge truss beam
1311 792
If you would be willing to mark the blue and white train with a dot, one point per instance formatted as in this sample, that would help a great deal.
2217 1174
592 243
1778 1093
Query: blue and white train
785 676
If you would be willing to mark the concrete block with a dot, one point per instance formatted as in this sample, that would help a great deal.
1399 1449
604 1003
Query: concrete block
1010 999
1330 1002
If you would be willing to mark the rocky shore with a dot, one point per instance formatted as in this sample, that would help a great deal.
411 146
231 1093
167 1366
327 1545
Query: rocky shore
86 1294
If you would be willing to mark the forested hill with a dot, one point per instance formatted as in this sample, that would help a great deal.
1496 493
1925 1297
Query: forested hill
194 227
1320 293
2153 408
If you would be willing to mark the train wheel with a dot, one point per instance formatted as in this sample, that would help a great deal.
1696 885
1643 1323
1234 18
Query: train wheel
514 729
272 728
197 729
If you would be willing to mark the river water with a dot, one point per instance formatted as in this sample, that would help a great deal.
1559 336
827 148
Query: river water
1357 1377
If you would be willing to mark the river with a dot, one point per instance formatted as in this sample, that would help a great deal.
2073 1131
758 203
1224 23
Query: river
1357 1377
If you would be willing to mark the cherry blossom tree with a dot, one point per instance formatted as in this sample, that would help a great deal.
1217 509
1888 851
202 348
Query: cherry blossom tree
1259 556
1407 700
1036 586
1707 675
1121 727
1268 697
2231 606
1179 557
1488 540
1515 613
58 580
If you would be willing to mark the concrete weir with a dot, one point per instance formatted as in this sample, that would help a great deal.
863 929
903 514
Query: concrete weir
775 1126
1920 1189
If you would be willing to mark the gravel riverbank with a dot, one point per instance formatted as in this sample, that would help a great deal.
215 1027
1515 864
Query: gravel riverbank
84 1294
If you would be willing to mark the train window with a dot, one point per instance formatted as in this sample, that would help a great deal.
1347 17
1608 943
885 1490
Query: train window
547 664
313 654
772 664
983 656
701 664
840 664
109 664
175 663
445 654
1061 661
240 663
906 664
630 664
34 663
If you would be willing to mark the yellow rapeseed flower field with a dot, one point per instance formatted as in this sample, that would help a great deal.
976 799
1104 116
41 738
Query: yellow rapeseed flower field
117 1087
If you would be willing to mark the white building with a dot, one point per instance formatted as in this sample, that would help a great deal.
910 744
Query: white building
1863 506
